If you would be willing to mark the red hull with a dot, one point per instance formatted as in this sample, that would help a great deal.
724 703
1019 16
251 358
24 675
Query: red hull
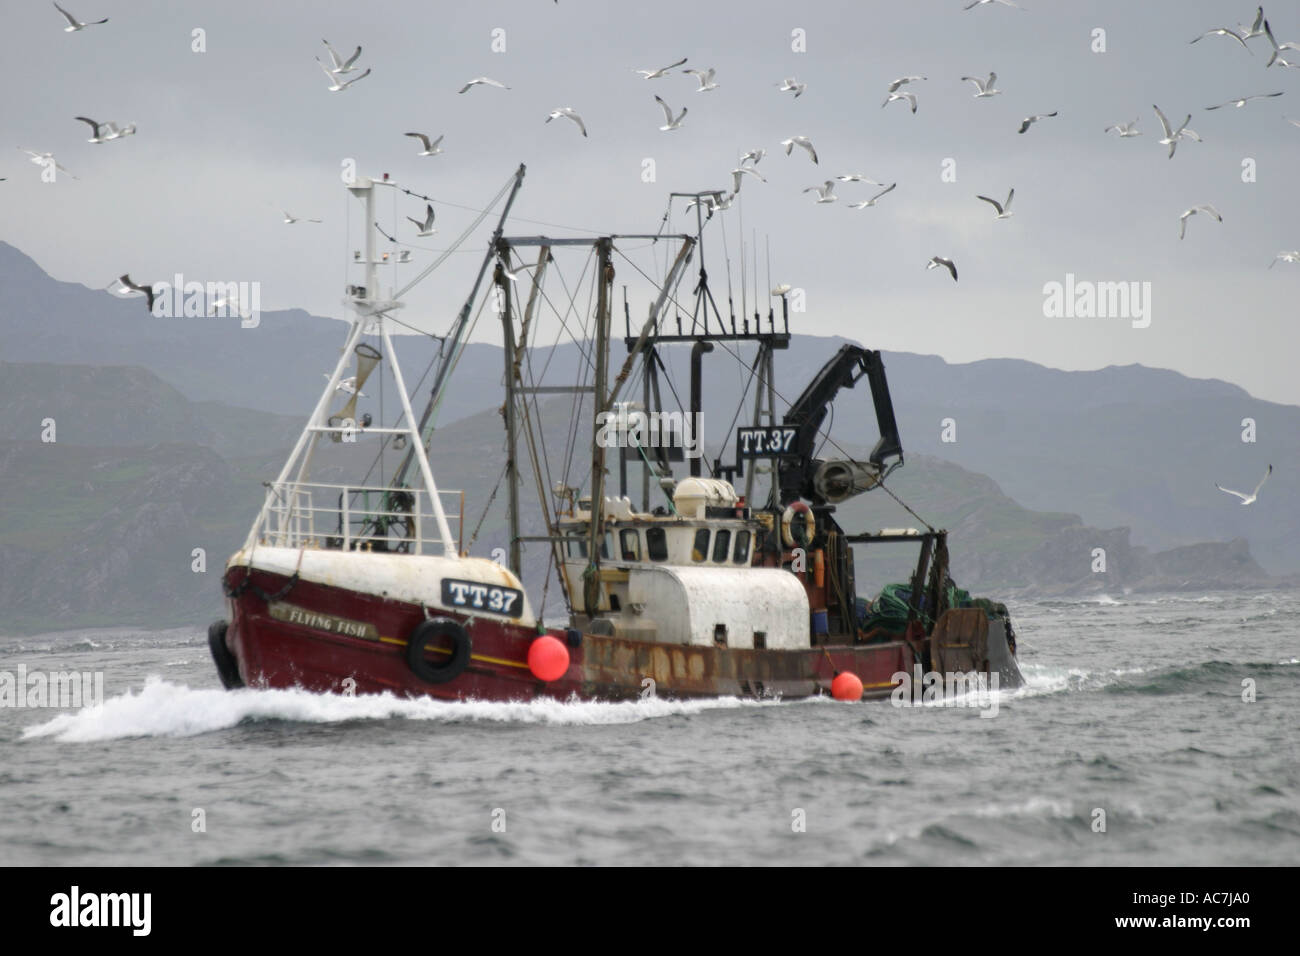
273 652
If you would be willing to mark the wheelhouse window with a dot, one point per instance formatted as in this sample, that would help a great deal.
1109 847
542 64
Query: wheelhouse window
701 550
656 543
607 545
577 546
742 547
630 542
721 546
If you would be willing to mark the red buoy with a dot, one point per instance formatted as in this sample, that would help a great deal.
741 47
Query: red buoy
846 686
548 659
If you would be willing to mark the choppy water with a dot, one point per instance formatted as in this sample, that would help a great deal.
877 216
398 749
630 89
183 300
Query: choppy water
1133 706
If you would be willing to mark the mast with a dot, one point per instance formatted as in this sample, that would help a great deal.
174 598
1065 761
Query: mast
512 462
591 582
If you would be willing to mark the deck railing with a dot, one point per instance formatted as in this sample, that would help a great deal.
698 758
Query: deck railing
358 518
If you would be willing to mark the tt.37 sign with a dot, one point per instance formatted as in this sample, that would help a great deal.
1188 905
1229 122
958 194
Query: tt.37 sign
489 598
767 441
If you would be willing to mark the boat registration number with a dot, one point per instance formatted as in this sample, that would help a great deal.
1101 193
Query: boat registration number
482 597
765 441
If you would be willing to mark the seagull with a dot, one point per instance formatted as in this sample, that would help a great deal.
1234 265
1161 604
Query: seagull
341 65
668 116
714 201
706 79
984 87
95 135
1268 32
756 155
662 71
135 287
290 220
872 201
1242 101
1004 209
910 97
336 85
1256 29
482 80
44 159
1207 209
431 147
825 192
1248 499
74 24
1293 256
901 81
426 227
791 85
347 385
738 173
1031 120
228 300
1171 138
567 113
803 142
1291 121
1125 129
116 132
857 178
980 3
1225 32
937 261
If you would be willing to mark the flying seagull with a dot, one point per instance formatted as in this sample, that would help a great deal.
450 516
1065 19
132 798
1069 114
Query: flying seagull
347 385
290 220
1207 209
909 97
136 287
1224 32
980 3
857 178
1125 129
337 85
44 159
1242 101
1003 209
803 142
706 79
341 65
902 81
825 192
938 261
737 175
74 24
1256 29
1250 498
425 228
567 113
791 85
755 154
431 147
668 115
1031 120
1171 138
482 80
1277 48
983 87
662 71
1291 121
95 135
1293 256
872 201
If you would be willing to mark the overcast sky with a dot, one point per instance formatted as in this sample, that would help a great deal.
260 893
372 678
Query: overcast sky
230 137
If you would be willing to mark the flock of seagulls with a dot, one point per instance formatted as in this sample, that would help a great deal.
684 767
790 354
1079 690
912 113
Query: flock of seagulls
341 67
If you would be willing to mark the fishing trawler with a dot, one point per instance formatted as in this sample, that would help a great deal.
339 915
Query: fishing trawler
701 590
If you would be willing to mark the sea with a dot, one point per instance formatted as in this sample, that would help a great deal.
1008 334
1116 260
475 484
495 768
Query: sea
1153 730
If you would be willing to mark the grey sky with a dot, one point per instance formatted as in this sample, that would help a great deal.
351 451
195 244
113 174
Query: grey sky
229 138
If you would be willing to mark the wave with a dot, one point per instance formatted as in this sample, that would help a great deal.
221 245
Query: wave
165 709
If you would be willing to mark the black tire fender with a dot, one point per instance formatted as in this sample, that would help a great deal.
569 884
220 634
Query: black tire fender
431 630
227 666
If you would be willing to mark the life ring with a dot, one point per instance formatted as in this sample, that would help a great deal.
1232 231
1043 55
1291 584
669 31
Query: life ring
432 630
788 526
227 666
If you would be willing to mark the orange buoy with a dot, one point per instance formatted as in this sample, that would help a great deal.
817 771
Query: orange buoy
548 659
846 686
